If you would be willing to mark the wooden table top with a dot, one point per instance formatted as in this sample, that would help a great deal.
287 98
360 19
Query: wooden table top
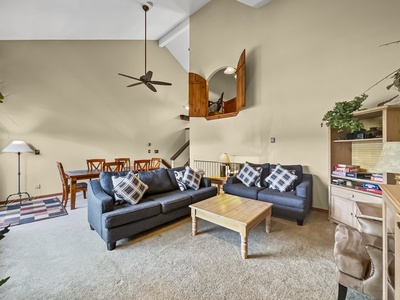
233 207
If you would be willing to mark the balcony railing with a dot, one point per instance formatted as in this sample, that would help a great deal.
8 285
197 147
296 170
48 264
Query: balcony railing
215 168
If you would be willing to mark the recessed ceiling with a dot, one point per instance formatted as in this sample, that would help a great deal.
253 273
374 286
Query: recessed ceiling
91 19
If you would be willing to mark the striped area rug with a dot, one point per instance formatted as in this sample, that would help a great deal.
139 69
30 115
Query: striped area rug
31 211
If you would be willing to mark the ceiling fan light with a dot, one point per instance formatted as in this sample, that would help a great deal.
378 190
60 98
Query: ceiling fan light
230 71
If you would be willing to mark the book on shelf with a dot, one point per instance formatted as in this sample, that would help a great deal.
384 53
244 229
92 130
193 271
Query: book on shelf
339 173
378 177
360 188
347 168
371 186
359 175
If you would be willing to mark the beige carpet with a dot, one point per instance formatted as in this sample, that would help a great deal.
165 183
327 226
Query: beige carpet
62 258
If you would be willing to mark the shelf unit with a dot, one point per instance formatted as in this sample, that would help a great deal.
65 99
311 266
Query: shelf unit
362 152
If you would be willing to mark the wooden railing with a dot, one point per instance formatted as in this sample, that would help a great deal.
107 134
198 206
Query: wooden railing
213 168
179 152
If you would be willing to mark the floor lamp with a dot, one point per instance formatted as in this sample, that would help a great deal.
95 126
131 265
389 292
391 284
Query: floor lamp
18 147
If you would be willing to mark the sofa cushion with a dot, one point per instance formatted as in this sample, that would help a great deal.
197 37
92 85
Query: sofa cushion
297 168
201 194
158 181
283 199
179 180
264 170
280 179
241 190
106 181
171 201
131 189
126 213
248 175
191 178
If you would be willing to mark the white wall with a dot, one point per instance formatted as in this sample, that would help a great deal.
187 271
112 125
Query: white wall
302 56
66 99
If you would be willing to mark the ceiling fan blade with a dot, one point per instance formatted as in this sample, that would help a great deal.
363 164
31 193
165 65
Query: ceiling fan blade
134 84
150 86
160 83
148 75
129 76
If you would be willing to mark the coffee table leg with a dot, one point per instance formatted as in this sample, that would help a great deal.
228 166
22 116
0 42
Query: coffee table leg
268 222
244 246
194 222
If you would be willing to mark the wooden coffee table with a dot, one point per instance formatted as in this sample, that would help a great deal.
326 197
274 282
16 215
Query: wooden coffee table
233 212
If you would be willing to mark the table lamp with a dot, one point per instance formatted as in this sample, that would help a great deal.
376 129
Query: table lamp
389 161
223 158
18 147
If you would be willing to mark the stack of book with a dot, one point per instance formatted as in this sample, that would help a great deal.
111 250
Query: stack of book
352 171
370 187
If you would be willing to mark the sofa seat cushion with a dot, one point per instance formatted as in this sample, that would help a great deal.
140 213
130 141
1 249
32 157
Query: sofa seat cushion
201 194
126 213
282 198
171 201
241 190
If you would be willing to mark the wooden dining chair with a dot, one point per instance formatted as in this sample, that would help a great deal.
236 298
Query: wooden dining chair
141 165
80 186
95 164
126 161
113 166
155 163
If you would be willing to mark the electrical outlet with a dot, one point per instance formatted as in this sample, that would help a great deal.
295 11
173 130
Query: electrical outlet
149 151
37 187
155 151
272 140
37 152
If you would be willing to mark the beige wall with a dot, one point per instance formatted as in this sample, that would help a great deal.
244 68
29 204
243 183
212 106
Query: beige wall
302 57
66 99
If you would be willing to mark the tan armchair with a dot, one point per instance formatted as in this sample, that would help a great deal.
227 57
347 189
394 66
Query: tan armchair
358 257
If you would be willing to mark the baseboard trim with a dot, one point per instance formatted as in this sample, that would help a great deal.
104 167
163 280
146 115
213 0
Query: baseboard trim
320 210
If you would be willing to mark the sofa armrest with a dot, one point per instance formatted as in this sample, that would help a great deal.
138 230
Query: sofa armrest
305 189
98 203
233 179
205 182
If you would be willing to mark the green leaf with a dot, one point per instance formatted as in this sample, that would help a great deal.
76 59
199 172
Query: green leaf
3 281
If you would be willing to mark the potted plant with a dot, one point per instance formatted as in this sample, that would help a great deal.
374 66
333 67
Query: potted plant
341 116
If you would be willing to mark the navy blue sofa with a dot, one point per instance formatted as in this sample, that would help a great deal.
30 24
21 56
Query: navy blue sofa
162 203
295 204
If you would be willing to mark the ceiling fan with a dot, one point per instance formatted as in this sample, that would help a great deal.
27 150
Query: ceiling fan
146 78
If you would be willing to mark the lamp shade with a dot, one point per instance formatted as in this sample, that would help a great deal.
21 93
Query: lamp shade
389 161
223 158
17 146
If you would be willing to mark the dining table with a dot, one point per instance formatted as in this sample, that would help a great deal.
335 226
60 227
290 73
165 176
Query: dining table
74 175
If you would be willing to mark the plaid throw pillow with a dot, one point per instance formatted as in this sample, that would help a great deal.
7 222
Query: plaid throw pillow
280 179
179 180
248 175
131 189
191 178
117 180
